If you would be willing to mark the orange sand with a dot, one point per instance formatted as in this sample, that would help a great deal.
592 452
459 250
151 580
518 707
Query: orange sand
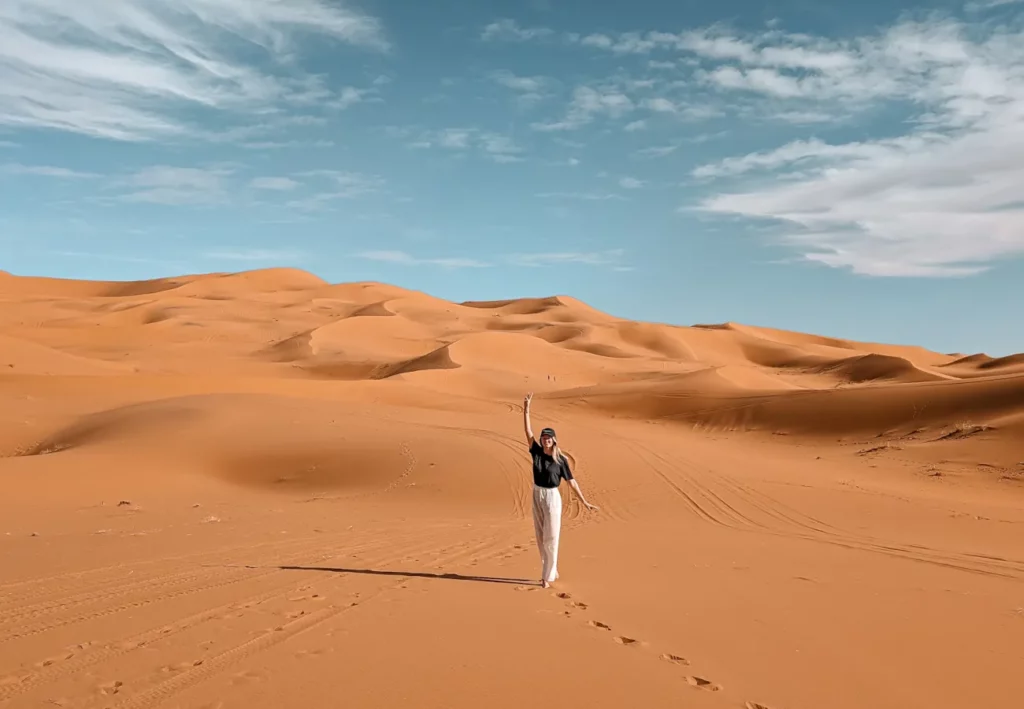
260 490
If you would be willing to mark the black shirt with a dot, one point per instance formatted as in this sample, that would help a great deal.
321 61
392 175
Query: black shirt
546 471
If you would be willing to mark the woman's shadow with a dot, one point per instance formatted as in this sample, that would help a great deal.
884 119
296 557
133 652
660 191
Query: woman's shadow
413 574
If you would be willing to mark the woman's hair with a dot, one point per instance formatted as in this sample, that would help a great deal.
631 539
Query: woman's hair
557 453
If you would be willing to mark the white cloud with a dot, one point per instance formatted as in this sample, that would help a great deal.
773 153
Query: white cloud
635 126
526 84
795 53
767 81
800 152
582 196
630 183
350 96
61 173
282 144
942 199
406 259
493 146
340 185
529 90
172 186
587 103
657 151
130 69
803 117
279 184
510 31
500 147
660 105
983 5
610 257
454 138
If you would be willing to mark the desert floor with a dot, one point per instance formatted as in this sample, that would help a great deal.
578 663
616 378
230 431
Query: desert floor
261 490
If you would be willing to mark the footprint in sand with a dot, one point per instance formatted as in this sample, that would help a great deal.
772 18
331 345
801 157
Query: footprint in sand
563 595
755 705
599 624
526 588
675 659
111 687
579 606
315 652
702 683
312 597
52 660
248 677
623 640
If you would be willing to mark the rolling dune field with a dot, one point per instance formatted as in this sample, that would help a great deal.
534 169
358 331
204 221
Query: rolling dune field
261 490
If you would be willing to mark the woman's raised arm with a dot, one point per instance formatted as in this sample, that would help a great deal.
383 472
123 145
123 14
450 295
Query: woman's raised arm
526 418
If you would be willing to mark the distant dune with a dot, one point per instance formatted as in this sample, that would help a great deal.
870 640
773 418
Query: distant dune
728 376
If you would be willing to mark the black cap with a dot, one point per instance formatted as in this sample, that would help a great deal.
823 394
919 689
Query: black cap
548 432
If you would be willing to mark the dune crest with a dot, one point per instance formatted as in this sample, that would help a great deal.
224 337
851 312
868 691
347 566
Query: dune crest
727 375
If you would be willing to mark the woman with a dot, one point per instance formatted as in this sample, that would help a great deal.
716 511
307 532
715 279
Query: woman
550 466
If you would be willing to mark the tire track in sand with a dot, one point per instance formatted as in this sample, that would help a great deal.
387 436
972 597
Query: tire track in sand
267 639
62 663
214 578
718 500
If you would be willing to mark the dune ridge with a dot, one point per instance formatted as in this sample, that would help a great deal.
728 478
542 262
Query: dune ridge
729 376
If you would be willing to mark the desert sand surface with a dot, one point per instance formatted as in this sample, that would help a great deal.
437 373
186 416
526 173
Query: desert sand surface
261 490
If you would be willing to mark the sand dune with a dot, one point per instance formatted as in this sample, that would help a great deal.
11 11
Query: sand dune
879 367
262 490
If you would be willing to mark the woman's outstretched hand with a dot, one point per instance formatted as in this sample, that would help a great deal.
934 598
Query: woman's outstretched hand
527 399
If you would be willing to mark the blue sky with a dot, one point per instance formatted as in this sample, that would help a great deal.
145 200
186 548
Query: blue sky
849 169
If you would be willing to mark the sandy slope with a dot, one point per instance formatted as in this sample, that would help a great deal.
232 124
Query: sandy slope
262 490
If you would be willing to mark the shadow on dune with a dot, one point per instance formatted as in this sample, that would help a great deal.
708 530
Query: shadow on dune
411 574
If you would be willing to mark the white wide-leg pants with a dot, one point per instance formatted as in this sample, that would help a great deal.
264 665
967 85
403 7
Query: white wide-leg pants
547 524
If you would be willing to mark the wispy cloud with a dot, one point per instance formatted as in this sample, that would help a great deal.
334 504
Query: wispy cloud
337 185
631 183
176 186
61 173
125 70
658 151
406 259
587 103
526 84
983 5
351 96
493 146
583 196
279 184
609 257
814 152
529 90
284 144
943 199
510 31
